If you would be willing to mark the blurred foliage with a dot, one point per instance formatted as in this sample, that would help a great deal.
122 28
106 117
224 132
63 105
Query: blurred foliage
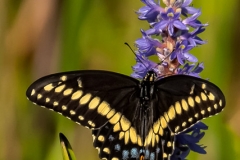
41 37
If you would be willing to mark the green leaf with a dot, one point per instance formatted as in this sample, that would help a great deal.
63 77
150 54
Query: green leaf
67 151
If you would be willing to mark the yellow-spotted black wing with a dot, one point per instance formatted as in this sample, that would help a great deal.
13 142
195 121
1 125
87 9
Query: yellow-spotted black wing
130 119
90 98
127 145
185 100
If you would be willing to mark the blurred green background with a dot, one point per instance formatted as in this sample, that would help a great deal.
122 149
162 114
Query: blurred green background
39 37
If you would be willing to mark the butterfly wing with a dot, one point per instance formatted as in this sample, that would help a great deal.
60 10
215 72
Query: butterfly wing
109 104
90 98
106 102
184 100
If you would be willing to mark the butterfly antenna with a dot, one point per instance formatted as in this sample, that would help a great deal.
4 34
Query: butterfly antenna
130 48
135 54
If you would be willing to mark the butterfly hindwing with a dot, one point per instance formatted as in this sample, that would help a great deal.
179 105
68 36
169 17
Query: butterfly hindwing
127 137
185 100
119 145
90 98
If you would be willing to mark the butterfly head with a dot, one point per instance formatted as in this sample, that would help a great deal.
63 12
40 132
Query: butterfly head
150 76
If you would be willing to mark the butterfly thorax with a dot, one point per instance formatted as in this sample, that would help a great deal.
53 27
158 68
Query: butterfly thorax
147 89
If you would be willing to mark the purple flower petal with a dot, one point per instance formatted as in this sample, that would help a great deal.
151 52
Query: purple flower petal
190 57
178 24
191 10
186 3
173 55
170 29
150 11
161 25
180 58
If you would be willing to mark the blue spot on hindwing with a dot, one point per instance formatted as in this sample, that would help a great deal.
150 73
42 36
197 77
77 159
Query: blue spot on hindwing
117 147
134 153
152 156
147 154
111 138
125 154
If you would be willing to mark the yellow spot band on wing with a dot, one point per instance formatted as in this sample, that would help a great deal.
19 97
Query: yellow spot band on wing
94 103
76 95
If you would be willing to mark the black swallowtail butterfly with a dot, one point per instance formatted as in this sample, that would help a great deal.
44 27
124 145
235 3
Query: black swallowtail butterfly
129 119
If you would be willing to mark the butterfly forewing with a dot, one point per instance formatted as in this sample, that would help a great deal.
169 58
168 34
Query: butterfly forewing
86 97
185 100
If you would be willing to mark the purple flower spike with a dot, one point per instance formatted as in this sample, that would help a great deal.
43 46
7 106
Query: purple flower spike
176 30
